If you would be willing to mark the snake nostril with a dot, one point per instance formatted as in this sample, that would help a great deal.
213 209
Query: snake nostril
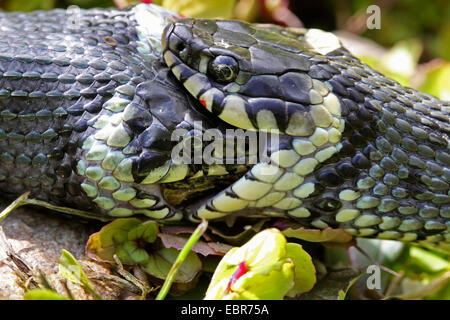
176 44
180 46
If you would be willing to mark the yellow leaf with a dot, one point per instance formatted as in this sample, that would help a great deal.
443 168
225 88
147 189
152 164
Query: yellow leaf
201 8
304 271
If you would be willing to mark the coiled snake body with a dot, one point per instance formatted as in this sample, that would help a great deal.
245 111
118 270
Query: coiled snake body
88 112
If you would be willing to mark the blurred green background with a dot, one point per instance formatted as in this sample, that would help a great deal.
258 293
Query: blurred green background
412 46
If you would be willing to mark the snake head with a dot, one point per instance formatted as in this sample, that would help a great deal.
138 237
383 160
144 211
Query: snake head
251 76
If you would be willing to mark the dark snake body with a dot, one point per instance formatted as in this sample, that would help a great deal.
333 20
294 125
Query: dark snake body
88 112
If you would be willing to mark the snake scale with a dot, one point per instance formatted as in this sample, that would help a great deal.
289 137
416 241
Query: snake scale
88 111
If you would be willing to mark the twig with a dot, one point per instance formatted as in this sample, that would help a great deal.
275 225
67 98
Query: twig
201 228
394 283
144 288
382 267
117 281
20 267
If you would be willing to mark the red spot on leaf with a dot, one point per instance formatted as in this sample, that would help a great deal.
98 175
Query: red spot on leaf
240 271
146 1
203 102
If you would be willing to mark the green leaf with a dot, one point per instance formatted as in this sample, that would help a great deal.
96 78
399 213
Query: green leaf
181 258
133 250
415 289
442 294
271 283
343 293
265 248
128 238
43 294
266 267
201 8
160 262
427 261
130 252
304 271
71 270
110 239
436 80
146 231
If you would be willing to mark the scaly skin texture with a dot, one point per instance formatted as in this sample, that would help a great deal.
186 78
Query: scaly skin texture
88 114
360 151
87 111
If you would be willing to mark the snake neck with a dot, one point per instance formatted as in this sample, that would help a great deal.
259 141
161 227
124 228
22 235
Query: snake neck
389 176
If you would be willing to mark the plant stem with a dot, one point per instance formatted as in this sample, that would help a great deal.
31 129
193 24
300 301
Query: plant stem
71 211
24 200
201 228
14 205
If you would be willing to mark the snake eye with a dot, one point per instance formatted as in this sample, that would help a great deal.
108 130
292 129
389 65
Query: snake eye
224 68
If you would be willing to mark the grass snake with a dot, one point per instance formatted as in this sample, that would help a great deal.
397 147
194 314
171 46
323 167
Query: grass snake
89 105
